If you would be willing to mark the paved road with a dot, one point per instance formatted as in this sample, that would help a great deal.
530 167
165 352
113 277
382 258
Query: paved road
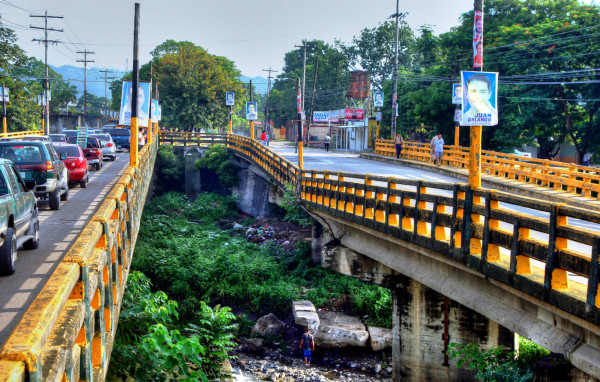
58 231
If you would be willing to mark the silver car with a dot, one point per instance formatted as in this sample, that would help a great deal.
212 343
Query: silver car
109 149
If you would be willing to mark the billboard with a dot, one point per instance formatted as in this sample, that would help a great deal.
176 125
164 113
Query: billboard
378 101
155 111
5 94
251 114
320 116
143 104
354 114
457 94
480 98
360 85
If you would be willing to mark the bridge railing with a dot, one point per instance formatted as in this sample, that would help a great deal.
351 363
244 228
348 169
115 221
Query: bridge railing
68 331
572 178
20 134
550 252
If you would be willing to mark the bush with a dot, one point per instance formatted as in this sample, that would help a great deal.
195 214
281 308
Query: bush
293 207
169 170
221 162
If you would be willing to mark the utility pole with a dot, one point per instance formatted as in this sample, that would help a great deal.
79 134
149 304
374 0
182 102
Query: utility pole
397 15
303 76
312 98
475 148
251 121
46 42
106 78
299 103
133 150
85 61
267 112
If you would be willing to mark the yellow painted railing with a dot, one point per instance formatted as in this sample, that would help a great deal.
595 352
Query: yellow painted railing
572 178
531 252
20 134
67 333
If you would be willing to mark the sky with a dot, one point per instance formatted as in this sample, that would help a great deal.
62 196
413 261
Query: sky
254 34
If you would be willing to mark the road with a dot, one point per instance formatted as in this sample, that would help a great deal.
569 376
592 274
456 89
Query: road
58 231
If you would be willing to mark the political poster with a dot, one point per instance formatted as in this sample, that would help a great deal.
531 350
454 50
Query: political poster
457 94
4 95
378 99
229 98
143 104
378 116
159 112
155 111
457 115
480 98
478 40
251 114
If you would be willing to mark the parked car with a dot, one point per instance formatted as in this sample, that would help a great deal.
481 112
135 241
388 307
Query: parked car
38 161
44 138
121 138
92 151
522 153
19 221
109 149
76 163
69 133
58 138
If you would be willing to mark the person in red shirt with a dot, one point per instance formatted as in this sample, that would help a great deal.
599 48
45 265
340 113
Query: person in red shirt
263 138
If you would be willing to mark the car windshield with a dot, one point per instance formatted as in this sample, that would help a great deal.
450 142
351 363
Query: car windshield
22 154
58 138
72 152
120 132
101 137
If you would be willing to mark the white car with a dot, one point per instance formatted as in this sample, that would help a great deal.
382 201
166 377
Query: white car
109 148
522 153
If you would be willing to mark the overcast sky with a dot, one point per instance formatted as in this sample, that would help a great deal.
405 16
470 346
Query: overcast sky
254 34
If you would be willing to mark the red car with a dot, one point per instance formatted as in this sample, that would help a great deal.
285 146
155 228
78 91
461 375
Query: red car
92 151
75 162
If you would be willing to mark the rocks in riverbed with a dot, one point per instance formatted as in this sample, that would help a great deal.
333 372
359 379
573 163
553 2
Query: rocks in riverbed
380 338
338 330
252 346
306 315
268 325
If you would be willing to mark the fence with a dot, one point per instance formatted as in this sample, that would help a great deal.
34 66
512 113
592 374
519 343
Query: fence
20 134
68 331
572 178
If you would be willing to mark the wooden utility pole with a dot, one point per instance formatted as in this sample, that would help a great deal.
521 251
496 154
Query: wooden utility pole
312 98
106 78
133 149
475 148
267 112
46 78
300 141
85 61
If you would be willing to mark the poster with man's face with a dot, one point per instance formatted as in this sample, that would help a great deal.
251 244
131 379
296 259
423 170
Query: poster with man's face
155 111
4 95
251 113
478 40
480 98
456 94
143 104
378 99
229 98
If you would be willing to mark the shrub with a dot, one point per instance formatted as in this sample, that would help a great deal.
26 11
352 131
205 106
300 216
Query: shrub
221 162
293 207
169 170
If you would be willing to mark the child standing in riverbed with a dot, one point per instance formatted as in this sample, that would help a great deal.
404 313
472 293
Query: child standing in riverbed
307 344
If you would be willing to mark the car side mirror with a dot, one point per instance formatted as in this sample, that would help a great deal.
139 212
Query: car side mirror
63 155
29 185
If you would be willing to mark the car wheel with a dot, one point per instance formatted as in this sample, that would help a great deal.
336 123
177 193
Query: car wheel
114 158
97 165
8 253
35 241
54 199
101 163
83 183
65 196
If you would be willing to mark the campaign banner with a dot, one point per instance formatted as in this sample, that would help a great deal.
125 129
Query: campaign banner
378 101
457 115
229 98
5 94
480 98
457 94
299 103
251 114
378 116
478 40
143 104
320 116
155 111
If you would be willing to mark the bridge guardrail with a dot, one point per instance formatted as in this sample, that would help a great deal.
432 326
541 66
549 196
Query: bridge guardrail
476 227
572 178
20 134
68 331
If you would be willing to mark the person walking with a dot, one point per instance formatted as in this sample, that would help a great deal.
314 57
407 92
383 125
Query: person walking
437 147
263 138
268 138
399 143
327 141
307 344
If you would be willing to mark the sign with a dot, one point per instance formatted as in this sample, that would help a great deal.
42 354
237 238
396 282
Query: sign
251 114
378 116
378 99
320 116
457 115
41 99
299 103
5 94
229 98
143 104
457 94
159 112
478 40
354 114
155 111
82 133
480 98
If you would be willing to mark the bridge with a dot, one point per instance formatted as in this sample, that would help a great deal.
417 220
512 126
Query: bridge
531 265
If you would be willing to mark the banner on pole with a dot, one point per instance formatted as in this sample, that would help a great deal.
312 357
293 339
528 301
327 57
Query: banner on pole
143 104
155 111
5 93
480 98
478 40
229 98
378 99
457 94
251 114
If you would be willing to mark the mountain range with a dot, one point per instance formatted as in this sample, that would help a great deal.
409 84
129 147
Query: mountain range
95 79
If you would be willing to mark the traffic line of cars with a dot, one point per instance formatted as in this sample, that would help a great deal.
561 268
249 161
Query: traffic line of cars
42 168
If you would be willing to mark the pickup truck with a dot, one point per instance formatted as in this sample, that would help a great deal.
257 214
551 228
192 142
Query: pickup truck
19 222
92 151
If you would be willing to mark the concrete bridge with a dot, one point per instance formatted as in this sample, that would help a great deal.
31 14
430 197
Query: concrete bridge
505 261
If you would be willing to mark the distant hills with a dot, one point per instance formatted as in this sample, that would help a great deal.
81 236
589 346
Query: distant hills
95 79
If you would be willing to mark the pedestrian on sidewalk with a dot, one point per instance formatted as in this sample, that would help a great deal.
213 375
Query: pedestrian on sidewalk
437 147
399 143
268 138
327 141
263 138
307 344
